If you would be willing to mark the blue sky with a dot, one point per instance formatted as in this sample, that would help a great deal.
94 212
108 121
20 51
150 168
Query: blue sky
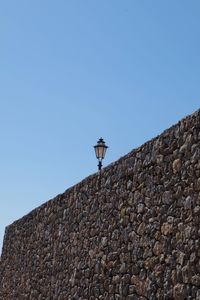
72 71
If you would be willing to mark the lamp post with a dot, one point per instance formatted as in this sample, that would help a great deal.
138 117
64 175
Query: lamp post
100 151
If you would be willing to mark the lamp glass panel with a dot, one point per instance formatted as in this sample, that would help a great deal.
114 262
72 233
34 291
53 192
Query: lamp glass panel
97 151
101 151
104 151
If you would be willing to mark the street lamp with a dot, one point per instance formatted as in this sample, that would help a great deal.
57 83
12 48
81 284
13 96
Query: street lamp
100 151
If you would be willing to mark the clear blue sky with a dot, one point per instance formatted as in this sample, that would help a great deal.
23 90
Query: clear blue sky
72 71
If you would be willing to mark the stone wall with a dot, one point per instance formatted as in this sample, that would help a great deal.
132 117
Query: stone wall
132 233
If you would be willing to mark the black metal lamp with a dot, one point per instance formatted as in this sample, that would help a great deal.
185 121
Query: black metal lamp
100 151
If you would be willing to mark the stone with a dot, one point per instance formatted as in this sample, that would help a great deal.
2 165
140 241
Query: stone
188 202
196 209
133 237
129 185
186 274
159 159
196 280
158 248
187 232
141 229
179 292
170 219
167 197
123 268
91 253
198 184
167 228
140 286
180 257
176 165
104 241
140 208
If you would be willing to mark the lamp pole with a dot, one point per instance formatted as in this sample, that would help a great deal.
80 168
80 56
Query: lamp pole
100 165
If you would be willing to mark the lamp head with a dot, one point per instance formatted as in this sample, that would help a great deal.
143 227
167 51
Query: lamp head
100 149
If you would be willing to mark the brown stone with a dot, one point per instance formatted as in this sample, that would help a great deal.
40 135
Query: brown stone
176 165
179 292
167 228
158 248
140 286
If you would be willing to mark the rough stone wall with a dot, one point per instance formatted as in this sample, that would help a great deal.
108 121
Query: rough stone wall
132 233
